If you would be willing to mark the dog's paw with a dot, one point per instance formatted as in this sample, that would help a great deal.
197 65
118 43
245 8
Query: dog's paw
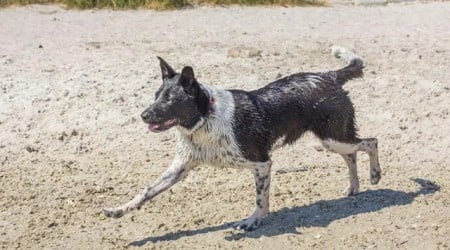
351 190
113 212
248 224
375 177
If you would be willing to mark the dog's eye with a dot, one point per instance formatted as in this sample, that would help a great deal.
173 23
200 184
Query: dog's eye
166 95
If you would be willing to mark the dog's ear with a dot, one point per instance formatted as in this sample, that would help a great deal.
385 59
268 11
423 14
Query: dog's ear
166 70
187 81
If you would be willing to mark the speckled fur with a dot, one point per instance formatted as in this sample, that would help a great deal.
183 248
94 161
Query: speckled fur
239 129
213 143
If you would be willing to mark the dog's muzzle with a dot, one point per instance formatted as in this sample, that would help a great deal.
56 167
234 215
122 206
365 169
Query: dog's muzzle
146 115
155 125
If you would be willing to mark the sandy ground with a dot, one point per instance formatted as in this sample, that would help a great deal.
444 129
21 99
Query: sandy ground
73 83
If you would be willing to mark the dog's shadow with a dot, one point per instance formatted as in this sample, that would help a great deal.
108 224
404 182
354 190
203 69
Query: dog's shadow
318 214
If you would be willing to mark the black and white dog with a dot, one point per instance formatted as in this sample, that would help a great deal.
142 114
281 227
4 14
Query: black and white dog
240 129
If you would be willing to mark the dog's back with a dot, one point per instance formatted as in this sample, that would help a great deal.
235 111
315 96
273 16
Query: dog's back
286 108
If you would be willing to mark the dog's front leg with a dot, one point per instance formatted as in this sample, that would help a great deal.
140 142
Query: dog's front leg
261 172
177 171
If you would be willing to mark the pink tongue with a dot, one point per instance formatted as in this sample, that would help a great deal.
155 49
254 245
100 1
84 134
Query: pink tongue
153 127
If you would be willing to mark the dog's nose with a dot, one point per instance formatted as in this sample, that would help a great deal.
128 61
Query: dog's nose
145 115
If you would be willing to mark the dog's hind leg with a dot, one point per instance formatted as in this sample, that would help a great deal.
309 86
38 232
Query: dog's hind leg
177 171
353 187
261 172
348 152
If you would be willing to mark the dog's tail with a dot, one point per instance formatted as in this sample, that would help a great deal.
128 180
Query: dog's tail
354 68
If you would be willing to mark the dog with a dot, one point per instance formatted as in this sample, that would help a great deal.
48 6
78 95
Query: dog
240 129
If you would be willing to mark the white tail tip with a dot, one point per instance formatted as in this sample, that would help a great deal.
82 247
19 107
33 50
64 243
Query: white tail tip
341 52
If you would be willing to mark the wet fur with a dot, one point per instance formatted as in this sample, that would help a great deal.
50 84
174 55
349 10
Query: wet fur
237 128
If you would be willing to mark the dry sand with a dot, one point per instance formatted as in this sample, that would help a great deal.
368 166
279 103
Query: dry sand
73 83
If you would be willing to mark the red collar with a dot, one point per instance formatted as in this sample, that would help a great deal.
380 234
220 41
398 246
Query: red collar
212 103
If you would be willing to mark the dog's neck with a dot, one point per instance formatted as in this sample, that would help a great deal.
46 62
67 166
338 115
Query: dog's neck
213 131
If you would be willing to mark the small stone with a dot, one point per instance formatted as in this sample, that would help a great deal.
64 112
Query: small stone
101 216
234 52
255 53
62 136
30 149
40 46
53 224
198 221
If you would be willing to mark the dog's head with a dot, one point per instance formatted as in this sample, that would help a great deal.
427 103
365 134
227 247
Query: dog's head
180 100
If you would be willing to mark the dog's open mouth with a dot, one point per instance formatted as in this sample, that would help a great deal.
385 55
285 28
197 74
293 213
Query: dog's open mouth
165 125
